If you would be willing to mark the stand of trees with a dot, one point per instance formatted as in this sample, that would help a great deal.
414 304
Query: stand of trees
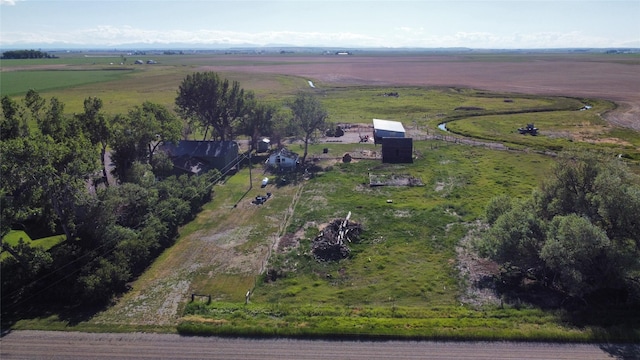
51 163
579 233
112 232
213 104
27 54
222 110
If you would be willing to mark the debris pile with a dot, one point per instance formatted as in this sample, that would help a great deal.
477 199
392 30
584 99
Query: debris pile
331 243
394 180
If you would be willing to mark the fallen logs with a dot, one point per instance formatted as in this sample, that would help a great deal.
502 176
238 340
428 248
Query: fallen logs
331 243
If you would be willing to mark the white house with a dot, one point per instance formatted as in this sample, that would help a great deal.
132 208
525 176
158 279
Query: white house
387 128
283 159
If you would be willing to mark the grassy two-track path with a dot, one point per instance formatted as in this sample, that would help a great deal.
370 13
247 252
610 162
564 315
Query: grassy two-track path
220 253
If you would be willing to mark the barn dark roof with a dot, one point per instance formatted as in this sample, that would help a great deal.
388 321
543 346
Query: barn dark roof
195 148
196 157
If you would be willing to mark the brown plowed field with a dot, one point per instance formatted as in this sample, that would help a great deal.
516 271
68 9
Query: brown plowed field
591 76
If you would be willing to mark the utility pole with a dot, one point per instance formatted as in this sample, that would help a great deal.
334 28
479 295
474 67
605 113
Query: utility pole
250 178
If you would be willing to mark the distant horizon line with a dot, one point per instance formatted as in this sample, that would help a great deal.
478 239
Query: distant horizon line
241 47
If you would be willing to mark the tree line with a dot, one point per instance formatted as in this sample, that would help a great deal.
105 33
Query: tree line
55 176
222 110
27 54
577 236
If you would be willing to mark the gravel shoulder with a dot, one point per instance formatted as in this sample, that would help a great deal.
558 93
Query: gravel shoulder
75 345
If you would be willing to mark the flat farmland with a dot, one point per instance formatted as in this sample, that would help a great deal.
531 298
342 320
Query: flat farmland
609 77
409 259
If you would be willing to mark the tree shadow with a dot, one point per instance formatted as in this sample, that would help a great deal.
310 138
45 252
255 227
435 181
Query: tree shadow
611 319
241 198
622 351
66 315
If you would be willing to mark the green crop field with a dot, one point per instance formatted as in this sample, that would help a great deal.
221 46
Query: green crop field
45 81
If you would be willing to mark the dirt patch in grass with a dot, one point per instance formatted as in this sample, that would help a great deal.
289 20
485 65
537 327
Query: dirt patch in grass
477 273
157 301
40 67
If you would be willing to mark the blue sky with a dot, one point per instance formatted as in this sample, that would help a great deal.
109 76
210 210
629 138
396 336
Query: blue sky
506 24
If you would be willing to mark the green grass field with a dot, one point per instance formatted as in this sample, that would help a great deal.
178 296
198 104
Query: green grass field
407 254
401 279
46 243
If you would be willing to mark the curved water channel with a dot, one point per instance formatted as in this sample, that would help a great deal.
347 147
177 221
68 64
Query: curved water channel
443 126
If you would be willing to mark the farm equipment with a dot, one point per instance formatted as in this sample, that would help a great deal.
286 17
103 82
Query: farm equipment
529 129
335 132
259 200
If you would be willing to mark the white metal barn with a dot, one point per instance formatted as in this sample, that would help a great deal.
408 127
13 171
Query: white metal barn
387 128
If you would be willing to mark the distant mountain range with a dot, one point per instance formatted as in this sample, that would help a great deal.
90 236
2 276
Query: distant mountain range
271 48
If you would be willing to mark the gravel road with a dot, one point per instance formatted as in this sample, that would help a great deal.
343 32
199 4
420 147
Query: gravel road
75 345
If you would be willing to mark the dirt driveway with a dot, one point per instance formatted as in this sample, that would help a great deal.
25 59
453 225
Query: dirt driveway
222 258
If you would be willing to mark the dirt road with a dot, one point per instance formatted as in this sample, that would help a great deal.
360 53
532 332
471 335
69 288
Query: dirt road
74 345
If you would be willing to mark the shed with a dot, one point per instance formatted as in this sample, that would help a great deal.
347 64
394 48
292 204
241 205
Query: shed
264 145
397 150
283 159
196 157
387 128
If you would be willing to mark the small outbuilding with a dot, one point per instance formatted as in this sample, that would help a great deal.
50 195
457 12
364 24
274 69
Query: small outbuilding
283 160
197 157
397 150
264 145
387 129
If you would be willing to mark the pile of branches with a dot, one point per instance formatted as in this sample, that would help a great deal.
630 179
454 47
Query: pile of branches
331 243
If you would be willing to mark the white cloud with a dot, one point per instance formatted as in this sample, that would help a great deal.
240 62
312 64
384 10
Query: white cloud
9 2
402 37
113 36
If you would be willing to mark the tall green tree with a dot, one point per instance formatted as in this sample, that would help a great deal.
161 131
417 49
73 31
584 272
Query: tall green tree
98 128
13 123
168 127
579 255
259 122
35 103
54 123
136 136
213 103
43 175
308 116
578 233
